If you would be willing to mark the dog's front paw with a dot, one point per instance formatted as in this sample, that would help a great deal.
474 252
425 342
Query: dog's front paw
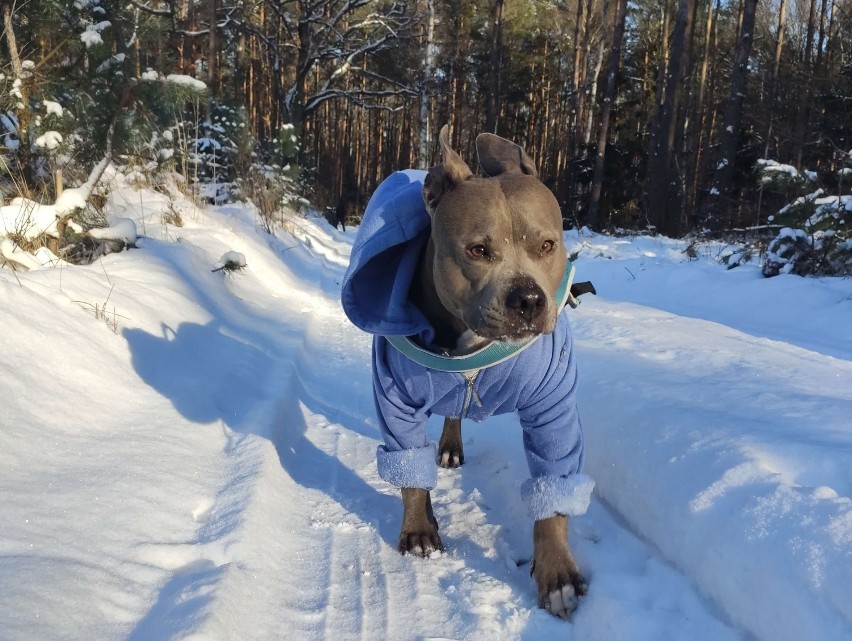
419 532
560 585
450 448
450 455
421 541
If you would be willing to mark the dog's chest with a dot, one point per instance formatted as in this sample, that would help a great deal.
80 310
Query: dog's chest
479 394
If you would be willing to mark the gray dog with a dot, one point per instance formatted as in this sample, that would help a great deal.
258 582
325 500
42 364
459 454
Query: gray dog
463 280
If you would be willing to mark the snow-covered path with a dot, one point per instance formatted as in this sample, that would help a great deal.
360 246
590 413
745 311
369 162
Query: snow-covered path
209 473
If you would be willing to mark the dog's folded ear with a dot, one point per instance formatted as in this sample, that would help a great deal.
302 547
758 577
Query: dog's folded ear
500 156
441 178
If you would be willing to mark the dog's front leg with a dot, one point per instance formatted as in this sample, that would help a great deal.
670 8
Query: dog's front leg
419 533
556 574
450 448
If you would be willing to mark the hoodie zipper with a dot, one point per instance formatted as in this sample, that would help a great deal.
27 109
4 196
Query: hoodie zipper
470 392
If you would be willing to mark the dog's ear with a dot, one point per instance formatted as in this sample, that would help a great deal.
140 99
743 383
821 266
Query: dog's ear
442 178
500 156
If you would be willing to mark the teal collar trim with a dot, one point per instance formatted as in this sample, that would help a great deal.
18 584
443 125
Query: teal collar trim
492 354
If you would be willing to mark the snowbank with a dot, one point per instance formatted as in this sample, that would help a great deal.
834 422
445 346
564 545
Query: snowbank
717 425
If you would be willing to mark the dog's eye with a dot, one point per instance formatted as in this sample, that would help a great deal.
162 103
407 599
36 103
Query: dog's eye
547 246
477 251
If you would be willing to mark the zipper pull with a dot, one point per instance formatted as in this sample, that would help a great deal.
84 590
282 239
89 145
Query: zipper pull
476 398
470 377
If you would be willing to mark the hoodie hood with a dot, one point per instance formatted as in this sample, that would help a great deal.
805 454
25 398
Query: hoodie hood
385 255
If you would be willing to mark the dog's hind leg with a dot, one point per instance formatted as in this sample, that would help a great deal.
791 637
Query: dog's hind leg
450 448
419 533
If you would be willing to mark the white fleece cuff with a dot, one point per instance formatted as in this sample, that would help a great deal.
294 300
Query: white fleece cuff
408 468
546 496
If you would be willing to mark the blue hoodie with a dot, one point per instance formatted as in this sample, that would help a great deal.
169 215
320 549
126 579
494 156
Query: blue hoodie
539 383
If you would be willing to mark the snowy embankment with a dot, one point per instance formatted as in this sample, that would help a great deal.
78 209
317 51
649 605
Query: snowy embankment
729 449
207 471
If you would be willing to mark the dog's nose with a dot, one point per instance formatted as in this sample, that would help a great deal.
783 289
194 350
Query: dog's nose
526 300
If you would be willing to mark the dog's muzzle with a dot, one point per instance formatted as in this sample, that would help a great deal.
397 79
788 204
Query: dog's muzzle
526 301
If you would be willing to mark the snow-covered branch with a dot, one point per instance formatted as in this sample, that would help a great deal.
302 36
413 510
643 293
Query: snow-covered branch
359 97
151 10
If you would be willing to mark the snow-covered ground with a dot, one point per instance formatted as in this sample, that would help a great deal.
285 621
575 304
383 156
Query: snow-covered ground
189 454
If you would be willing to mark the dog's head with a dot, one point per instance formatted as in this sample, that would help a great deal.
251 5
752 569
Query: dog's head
499 253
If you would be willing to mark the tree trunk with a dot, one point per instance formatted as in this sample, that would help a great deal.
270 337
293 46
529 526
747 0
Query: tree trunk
662 66
662 201
457 69
729 131
424 155
23 152
492 107
608 101
803 111
576 104
213 52
701 124
773 83
821 36
295 100
592 86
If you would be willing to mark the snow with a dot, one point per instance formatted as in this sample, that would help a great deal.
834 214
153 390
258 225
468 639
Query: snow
9 251
206 469
92 35
123 229
801 200
105 66
772 166
28 219
71 199
205 144
186 81
233 258
49 140
52 107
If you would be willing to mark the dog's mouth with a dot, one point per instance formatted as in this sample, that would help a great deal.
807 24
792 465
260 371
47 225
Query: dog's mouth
520 333
512 332
506 320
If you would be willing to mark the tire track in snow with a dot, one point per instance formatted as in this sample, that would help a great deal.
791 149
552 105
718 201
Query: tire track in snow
345 613
359 596
408 592
374 595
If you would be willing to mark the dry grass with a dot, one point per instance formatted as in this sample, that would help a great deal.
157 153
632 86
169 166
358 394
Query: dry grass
172 216
102 313
267 196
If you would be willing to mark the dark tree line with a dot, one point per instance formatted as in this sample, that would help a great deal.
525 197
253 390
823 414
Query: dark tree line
647 113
